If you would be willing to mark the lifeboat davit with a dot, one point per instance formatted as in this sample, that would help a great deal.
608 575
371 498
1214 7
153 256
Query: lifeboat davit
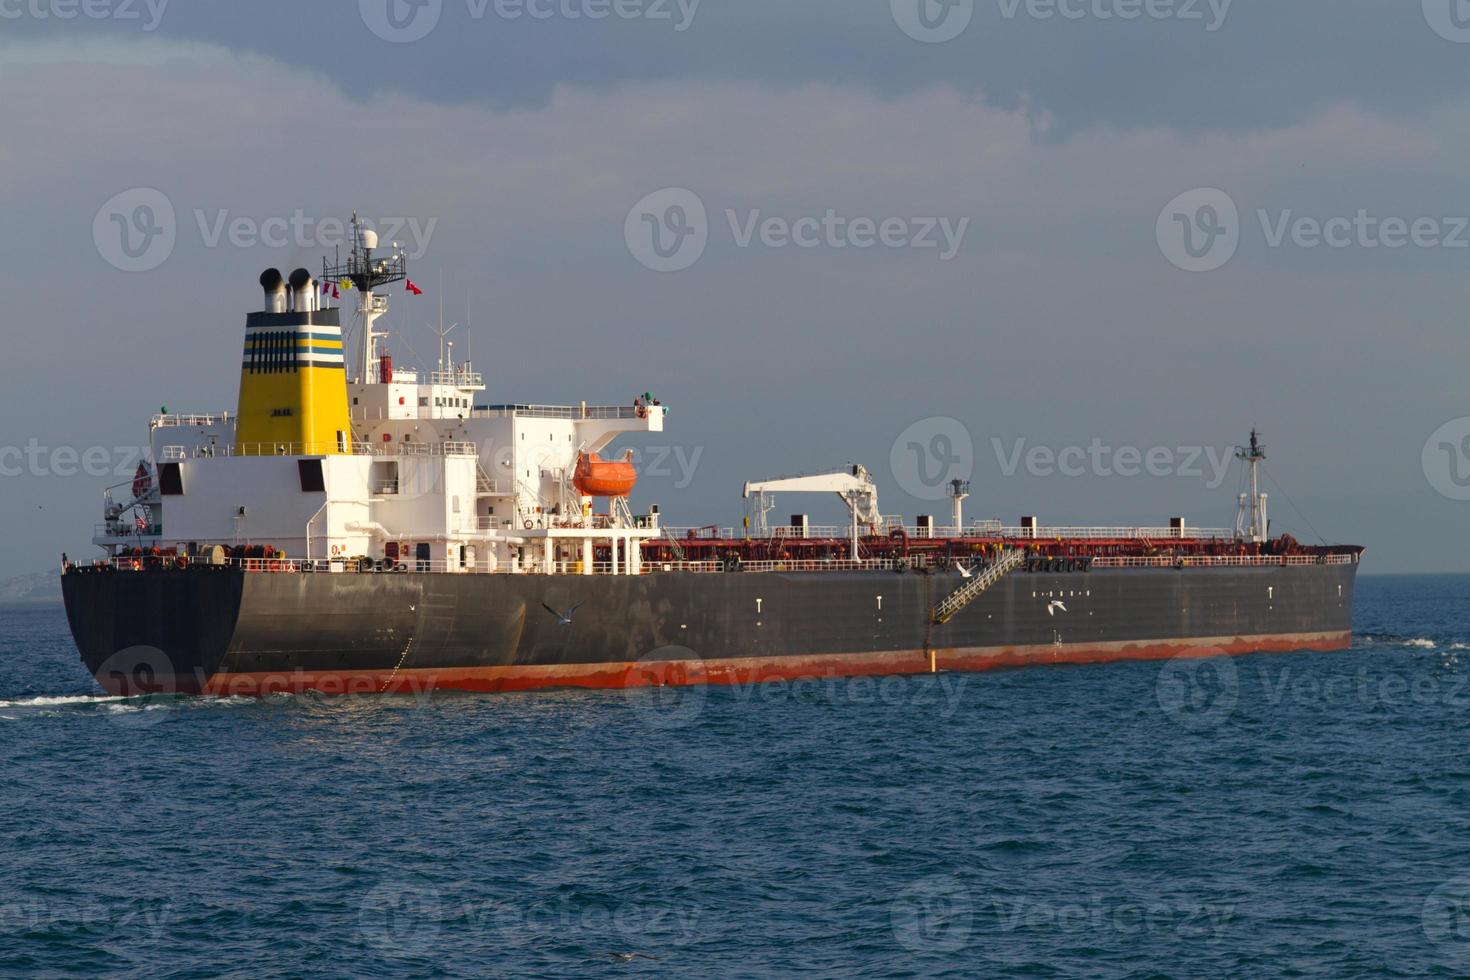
598 477
142 481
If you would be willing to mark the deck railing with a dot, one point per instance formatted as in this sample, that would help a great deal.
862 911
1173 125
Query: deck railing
161 421
561 411
574 567
1217 561
841 532
289 449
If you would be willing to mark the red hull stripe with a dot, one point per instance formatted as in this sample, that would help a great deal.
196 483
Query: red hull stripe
752 670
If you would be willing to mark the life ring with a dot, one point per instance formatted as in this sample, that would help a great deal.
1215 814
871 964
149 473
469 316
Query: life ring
529 525
336 551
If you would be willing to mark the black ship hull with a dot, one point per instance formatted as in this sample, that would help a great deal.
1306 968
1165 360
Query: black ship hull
230 632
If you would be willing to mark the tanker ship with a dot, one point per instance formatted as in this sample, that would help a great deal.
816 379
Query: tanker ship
353 527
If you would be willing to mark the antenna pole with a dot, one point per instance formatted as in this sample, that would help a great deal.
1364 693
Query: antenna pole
366 272
1254 505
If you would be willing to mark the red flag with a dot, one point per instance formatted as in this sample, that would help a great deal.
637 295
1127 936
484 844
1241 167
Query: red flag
326 286
414 289
335 293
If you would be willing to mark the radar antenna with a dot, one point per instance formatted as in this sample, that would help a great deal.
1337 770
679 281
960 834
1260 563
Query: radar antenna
367 271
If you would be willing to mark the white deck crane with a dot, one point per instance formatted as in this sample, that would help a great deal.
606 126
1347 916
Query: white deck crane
853 485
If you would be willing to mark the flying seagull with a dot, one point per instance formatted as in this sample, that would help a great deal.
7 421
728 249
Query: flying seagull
563 619
964 572
1054 605
630 957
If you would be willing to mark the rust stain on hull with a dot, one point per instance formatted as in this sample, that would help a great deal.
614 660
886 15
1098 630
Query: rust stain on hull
750 670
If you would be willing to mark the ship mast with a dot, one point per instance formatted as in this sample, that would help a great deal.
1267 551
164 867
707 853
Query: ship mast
1257 527
368 271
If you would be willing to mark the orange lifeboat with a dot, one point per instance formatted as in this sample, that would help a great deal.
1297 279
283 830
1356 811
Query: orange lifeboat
597 477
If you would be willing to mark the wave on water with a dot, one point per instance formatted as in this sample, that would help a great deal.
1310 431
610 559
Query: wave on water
59 701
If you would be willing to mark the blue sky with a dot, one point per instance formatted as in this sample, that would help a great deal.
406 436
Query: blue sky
1072 142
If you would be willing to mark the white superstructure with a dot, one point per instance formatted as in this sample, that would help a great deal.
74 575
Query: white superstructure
430 478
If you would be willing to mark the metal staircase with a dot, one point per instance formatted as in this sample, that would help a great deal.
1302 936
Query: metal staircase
976 587
484 486
674 542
